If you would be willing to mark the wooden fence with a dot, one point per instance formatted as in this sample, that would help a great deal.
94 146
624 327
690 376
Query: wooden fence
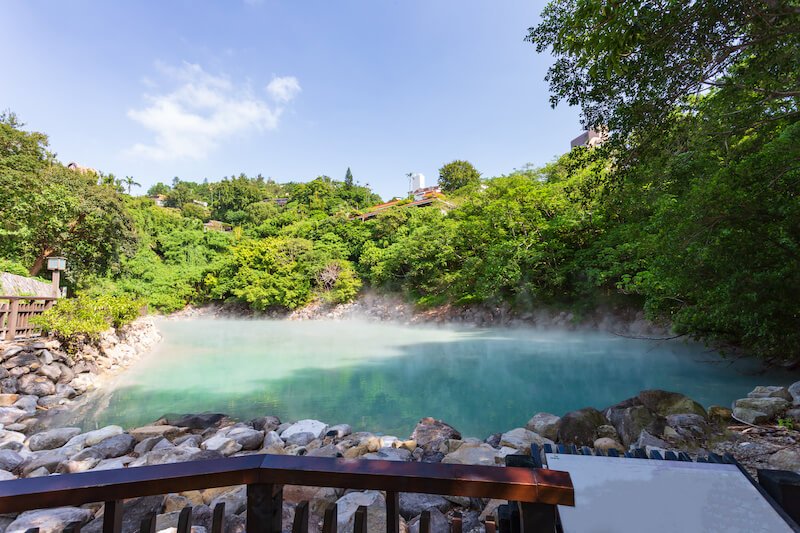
533 492
16 312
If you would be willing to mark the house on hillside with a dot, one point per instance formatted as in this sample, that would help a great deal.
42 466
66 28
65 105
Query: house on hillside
82 169
589 138
200 203
159 199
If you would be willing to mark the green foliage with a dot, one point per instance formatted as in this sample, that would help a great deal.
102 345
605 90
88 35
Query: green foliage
13 267
458 174
77 320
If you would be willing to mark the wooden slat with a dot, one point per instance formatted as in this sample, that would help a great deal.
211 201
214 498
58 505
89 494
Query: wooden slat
112 516
300 522
425 522
360 520
457 523
330 521
490 526
264 507
218 518
392 512
185 520
148 524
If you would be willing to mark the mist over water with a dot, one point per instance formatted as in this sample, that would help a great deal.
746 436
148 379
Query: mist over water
383 377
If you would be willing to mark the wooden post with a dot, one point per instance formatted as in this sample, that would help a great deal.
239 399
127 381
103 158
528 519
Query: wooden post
11 332
56 283
264 508
112 517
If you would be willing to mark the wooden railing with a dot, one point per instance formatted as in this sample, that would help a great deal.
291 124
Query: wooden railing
533 492
16 312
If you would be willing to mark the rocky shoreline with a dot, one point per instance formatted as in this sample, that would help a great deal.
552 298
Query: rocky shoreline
651 420
39 377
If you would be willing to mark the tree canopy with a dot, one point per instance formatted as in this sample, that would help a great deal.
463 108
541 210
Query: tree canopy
458 174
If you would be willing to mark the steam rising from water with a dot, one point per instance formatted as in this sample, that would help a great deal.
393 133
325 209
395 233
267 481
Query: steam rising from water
383 377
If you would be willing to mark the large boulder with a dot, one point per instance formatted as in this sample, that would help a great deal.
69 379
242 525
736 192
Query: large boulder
579 427
47 459
91 438
389 454
145 432
665 403
785 459
10 460
691 428
315 427
52 438
9 415
48 520
430 433
750 416
630 417
115 446
221 444
772 407
545 425
235 500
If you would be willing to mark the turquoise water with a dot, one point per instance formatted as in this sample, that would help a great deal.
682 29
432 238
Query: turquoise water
384 377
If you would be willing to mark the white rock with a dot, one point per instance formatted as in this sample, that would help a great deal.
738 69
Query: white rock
93 437
315 427
48 520
375 503
221 444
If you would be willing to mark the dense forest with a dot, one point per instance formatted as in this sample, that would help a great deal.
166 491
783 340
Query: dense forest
690 209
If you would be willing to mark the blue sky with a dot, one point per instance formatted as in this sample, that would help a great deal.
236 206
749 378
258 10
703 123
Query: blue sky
290 90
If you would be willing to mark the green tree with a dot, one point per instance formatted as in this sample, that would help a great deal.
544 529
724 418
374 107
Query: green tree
130 182
348 179
458 174
157 189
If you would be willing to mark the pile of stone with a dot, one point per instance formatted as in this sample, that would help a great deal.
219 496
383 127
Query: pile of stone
769 404
653 419
39 375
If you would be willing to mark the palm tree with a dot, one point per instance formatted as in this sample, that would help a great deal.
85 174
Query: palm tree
129 181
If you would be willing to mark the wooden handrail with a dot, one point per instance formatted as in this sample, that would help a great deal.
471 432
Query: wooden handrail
16 313
265 476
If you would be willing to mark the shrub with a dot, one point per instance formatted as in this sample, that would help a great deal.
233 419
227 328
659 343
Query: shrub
77 320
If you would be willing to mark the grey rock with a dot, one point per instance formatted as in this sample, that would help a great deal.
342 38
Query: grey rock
65 391
690 426
5 476
785 459
10 460
315 427
751 416
770 392
11 352
438 523
412 504
221 444
646 439
115 446
51 401
375 503
27 403
52 438
23 359
472 454
300 439
273 440
146 445
36 385
579 427
339 431
74 465
235 500
195 421
9 415
189 441
431 433
772 407
544 424
179 455
326 451
630 417
163 444
46 357
389 454
167 520
133 512
247 437
266 423
521 439
608 432
794 415
48 520
47 459
9 385
38 472
794 391
67 374
51 372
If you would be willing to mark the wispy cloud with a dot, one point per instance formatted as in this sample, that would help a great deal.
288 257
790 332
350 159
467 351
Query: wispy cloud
284 89
201 110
